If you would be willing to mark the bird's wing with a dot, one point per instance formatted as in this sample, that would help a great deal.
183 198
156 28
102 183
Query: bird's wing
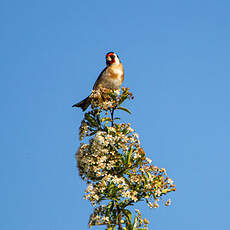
98 81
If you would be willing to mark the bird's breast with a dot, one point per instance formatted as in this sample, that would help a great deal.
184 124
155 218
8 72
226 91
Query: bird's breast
113 77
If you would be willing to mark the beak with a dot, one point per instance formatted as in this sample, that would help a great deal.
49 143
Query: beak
109 58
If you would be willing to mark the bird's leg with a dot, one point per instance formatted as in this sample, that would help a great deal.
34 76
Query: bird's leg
112 113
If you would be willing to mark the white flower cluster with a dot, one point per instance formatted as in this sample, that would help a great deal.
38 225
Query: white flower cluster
114 164
97 158
94 158
101 98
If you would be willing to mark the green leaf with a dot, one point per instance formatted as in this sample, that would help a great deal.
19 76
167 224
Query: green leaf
109 208
106 123
145 177
130 154
148 174
124 109
122 99
91 120
128 214
164 191
91 134
135 223
125 131
106 119
110 228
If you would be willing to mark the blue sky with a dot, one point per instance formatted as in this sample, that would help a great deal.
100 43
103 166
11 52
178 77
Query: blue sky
176 59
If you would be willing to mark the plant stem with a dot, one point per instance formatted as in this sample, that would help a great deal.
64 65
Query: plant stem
119 218
112 112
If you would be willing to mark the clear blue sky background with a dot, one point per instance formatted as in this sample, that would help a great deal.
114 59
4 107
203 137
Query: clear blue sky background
176 59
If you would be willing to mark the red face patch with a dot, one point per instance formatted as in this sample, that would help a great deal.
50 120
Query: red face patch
109 54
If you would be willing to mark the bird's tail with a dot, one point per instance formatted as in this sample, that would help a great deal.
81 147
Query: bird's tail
84 104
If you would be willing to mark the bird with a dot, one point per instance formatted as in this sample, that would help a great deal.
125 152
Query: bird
111 77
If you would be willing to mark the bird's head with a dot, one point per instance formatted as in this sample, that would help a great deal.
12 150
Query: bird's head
112 58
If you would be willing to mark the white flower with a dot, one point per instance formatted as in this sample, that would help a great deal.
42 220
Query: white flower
130 129
117 92
148 160
97 217
137 155
89 188
148 186
158 192
107 104
96 197
105 218
111 129
86 197
100 139
126 194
